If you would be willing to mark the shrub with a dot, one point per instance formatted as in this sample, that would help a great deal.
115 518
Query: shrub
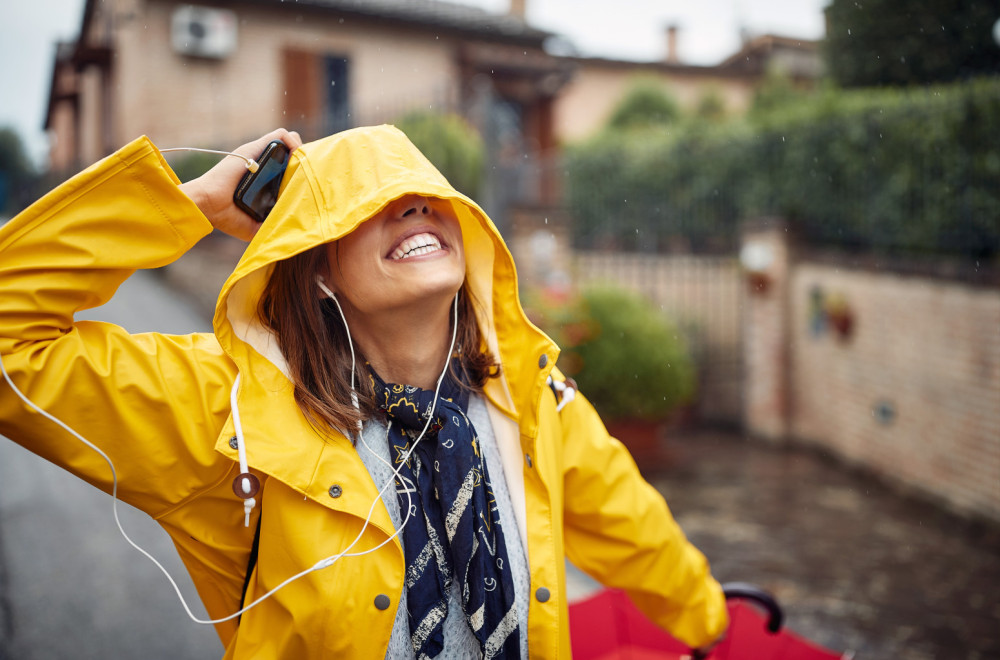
626 357
193 165
451 144
644 105
889 171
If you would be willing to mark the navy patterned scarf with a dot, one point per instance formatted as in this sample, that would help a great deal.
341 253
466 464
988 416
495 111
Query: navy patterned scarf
454 527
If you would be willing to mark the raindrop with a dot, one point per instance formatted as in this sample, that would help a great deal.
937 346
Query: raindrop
848 31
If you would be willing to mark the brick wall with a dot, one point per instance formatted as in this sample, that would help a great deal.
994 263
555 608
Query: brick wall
898 374
913 391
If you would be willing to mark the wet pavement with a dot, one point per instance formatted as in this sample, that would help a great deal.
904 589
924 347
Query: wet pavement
856 564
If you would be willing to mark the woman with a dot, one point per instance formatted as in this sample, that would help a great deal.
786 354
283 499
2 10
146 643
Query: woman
281 446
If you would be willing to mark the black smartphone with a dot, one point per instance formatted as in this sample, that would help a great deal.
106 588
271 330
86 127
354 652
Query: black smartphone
258 191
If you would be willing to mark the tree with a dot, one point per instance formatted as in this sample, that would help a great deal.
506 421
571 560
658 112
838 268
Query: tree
900 42
451 144
646 104
711 106
16 171
776 91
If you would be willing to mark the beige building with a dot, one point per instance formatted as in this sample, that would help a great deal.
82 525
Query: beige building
216 75
194 75
586 102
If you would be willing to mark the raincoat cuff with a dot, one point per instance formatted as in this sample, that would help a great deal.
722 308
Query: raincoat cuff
190 223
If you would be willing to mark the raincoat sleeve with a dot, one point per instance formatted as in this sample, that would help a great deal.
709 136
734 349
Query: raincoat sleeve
153 403
619 530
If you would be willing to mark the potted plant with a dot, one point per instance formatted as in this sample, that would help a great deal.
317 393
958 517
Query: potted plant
626 357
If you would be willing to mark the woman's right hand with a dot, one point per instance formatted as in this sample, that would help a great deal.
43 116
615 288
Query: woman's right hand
213 191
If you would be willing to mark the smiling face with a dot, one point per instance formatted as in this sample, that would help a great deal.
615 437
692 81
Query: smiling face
410 255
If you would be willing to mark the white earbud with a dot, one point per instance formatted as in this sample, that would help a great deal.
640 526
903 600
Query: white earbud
350 343
325 289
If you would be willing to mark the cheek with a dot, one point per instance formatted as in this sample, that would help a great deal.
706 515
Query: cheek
347 263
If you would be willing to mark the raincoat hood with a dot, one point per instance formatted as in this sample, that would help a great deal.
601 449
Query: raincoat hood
330 187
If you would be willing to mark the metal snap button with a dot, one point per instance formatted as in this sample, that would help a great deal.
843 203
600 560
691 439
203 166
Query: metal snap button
527 457
336 490
542 594
234 443
382 602
542 361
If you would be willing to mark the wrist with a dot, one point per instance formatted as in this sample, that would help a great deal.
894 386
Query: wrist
196 194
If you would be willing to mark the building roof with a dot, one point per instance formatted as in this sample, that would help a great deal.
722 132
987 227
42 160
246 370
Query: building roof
799 58
435 14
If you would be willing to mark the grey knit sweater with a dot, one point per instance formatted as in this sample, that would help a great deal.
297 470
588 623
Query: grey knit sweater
459 641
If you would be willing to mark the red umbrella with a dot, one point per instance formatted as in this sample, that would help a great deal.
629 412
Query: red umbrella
607 626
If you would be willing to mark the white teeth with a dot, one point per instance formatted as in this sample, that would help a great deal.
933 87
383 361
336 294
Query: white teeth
415 246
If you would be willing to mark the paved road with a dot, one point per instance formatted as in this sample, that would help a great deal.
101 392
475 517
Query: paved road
70 586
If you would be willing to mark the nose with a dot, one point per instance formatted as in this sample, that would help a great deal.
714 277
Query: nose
417 206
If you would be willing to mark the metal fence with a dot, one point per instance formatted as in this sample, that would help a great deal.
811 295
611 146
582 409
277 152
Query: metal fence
703 295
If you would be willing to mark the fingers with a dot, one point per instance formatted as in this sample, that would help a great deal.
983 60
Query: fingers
213 191
254 149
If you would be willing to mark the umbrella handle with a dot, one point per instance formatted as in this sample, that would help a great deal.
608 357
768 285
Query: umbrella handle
751 592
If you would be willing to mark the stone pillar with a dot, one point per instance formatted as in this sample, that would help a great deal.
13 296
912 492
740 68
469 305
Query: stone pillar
765 256
539 240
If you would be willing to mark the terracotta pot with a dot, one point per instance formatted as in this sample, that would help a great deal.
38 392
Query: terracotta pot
645 440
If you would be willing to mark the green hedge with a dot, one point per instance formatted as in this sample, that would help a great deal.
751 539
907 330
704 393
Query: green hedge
891 171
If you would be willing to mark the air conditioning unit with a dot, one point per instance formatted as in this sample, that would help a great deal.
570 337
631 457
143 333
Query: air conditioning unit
203 31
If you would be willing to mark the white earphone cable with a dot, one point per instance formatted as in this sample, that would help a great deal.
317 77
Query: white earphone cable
323 563
251 163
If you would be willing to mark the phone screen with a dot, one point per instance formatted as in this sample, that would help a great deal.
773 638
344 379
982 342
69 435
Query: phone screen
258 191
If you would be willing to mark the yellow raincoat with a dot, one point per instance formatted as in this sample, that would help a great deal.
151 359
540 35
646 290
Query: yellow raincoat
159 405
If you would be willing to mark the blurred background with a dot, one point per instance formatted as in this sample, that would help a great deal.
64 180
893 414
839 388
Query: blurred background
765 234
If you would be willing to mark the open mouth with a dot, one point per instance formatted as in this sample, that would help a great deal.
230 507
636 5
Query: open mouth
415 246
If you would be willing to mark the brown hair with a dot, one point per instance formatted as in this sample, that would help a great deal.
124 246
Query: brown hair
313 340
